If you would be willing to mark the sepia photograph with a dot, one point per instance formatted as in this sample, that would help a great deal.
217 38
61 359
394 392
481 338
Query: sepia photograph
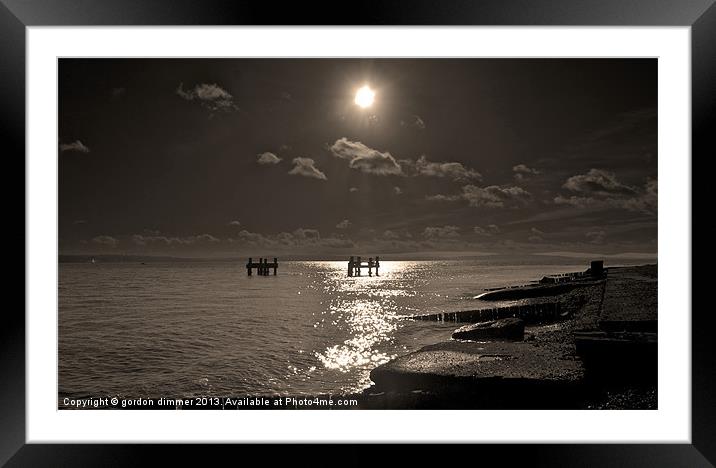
357 233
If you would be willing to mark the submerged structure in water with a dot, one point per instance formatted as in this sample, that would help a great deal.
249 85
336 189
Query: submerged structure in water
355 264
262 266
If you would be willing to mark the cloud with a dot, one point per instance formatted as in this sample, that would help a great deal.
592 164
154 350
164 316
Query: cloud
145 240
647 201
451 170
489 230
301 237
397 190
388 234
444 232
353 189
600 189
307 234
492 196
76 145
495 196
249 237
441 197
234 223
536 235
336 243
372 161
364 158
307 167
345 224
522 169
522 172
80 221
415 121
268 158
211 96
107 241
578 202
206 238
627 123
597 182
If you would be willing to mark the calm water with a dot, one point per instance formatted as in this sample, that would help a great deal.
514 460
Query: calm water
203 328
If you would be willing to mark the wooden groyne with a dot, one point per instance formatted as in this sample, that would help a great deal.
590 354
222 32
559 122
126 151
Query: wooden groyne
604 356
530 313
532 291
355 265
263 267
595 271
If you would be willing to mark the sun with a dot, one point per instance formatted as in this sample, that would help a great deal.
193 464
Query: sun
365 97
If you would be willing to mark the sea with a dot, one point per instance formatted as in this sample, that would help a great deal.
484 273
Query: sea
173 329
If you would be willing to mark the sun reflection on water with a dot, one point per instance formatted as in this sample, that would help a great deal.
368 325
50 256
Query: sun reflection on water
367 311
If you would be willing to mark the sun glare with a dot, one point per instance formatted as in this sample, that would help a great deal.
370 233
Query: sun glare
365 97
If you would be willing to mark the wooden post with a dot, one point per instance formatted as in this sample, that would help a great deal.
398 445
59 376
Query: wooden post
358 266
350 266
260 268
377 265
248 267
370 266
275 265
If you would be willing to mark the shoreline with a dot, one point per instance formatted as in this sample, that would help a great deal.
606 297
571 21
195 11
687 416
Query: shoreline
599 352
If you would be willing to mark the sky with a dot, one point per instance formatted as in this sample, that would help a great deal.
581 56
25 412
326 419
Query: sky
273 157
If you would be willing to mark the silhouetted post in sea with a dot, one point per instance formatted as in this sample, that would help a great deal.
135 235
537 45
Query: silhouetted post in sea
262 266
355 264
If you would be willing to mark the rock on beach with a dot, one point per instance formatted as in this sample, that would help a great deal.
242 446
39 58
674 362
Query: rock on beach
503 329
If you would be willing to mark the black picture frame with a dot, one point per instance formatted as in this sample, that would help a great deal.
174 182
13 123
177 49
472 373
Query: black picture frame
700 15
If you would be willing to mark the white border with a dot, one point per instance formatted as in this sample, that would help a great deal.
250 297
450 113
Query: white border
670 423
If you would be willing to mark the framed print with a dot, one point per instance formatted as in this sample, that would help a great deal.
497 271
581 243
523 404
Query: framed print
419 223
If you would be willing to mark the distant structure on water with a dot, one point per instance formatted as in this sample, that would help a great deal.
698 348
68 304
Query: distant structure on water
355 264
262 266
